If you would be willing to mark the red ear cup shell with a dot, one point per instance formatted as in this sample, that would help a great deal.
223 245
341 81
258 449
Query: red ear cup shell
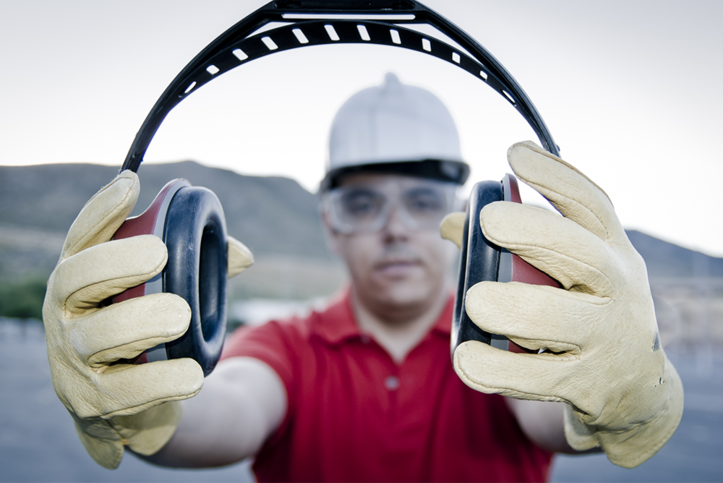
513 268
191 223
482 261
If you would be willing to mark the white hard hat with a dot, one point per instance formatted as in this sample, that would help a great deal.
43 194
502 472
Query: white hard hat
395 128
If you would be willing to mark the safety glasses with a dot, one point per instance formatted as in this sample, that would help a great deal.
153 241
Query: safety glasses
366 207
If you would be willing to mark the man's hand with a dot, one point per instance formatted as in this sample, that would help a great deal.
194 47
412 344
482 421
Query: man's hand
602 349
113 402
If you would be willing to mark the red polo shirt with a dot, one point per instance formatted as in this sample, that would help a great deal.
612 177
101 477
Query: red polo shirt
356 415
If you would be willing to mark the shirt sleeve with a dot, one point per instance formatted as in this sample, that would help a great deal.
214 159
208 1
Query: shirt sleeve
271 343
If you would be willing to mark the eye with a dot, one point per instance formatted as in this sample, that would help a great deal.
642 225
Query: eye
424 200
361 203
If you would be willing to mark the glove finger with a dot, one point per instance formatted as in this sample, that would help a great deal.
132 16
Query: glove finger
559 247
516 310
93 275
239 257
124 330
129 389
103 214
571 192
452 228
539 377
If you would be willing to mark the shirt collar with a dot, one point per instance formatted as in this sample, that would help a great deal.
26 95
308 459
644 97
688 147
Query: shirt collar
337 324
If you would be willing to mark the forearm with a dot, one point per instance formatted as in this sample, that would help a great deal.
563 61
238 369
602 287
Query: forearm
542 423
241 404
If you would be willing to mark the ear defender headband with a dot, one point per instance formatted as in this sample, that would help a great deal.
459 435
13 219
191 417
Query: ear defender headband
192 217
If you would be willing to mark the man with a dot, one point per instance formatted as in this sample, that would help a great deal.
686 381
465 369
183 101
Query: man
363 390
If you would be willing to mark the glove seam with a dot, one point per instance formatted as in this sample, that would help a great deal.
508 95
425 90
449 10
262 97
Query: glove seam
112 214
69 314
153 404
607 298
537 187
535 148
498 390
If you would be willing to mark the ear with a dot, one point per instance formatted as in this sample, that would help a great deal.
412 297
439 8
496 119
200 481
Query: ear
330 235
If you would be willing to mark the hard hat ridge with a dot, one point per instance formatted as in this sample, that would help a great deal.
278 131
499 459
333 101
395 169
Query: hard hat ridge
395 128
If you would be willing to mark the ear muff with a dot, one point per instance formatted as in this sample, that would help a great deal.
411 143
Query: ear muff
292 24
191 223
483 261
195 236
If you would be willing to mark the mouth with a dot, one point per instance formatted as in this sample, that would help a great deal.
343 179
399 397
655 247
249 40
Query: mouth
397 267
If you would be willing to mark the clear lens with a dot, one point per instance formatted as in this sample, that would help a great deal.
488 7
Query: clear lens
366 207
425 205
361 207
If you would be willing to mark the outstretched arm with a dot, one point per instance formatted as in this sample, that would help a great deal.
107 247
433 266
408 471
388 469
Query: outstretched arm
543 423
242 403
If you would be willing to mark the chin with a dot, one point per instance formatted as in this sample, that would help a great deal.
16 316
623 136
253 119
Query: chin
406 295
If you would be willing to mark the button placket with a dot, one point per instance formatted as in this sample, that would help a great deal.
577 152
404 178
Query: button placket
391 383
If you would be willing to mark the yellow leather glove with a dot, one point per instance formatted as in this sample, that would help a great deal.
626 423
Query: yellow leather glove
604 357
115 403
239 257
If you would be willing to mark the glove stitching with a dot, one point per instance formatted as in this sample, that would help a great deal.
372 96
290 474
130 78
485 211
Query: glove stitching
147 405
159 339
539 188
111 215
499 390
148 274
535 148
607 298
635 430
567 355
664 439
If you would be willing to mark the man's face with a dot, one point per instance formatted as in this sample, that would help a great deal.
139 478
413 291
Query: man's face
390 242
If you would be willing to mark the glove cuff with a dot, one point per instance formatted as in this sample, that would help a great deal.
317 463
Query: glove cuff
145 433
100 440
149 431
634 446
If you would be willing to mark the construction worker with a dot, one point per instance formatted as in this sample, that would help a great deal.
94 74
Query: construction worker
364 390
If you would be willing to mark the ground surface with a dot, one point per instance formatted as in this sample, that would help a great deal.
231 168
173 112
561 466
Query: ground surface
38 442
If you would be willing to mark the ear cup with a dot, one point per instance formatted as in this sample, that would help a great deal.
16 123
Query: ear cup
479 262
195 235
191 222
482 261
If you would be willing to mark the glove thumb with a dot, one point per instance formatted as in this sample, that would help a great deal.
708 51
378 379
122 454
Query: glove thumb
452 228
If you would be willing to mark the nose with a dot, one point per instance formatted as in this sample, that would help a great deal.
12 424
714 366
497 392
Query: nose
395 229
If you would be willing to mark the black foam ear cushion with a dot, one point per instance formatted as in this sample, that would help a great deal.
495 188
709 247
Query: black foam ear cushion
479 262
195 235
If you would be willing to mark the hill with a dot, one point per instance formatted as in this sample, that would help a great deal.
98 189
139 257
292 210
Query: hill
667 260
274 216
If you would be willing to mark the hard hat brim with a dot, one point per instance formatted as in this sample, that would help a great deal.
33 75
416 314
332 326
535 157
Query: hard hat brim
442 170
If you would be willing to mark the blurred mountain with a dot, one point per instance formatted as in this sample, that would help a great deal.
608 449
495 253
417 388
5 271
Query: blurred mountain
667 260
270 214
274 216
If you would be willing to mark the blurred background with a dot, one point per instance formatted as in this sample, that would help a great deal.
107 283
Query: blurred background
629 90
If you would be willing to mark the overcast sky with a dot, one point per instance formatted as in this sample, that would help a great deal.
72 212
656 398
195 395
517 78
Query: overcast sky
631 91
